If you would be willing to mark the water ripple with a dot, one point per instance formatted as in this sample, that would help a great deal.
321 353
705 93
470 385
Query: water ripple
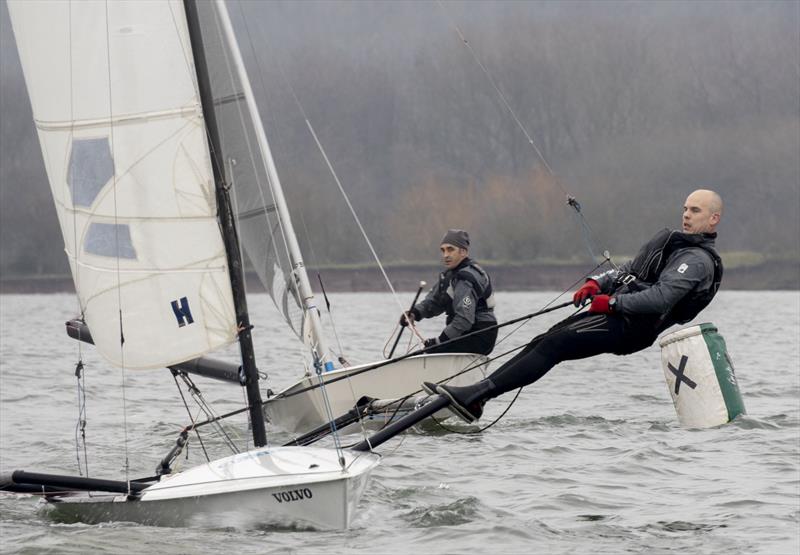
460 511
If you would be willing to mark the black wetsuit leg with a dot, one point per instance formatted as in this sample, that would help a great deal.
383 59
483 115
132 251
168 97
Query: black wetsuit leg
480 343
580 336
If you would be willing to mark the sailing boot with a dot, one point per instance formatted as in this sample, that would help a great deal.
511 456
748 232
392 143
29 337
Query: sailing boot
465 402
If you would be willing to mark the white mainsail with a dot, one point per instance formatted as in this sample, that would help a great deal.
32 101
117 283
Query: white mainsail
116 107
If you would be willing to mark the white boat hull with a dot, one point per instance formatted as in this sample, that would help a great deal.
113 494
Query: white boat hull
281 487
296 411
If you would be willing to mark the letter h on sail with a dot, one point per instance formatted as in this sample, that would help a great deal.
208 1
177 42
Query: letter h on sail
182 312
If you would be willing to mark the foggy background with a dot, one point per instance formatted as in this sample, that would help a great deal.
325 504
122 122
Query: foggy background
632 104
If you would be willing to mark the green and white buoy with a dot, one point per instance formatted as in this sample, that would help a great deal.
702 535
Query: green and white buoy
700 377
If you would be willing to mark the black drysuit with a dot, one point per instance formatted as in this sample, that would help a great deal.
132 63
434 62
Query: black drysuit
465 295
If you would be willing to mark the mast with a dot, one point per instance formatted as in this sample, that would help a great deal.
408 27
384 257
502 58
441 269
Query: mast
296 258
229 235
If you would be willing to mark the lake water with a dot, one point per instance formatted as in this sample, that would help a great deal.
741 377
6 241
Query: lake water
590 459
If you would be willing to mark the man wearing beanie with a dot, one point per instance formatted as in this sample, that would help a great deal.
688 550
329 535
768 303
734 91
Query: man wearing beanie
464 293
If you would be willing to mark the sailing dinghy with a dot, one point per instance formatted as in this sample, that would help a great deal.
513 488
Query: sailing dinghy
124 114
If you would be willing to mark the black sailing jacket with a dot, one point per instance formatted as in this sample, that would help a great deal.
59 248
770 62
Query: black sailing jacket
672 278
465 294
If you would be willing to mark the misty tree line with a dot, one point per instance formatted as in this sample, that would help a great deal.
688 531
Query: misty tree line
632 105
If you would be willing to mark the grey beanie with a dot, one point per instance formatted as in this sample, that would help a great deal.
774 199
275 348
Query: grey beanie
456 237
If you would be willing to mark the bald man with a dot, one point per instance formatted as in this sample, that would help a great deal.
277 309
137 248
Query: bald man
672 278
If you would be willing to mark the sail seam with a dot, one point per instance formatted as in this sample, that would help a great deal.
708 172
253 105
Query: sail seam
175 113
149 270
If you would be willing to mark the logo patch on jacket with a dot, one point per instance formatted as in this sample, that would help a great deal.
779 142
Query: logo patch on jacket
467 301
682 268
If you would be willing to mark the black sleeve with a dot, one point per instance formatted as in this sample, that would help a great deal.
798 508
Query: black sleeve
683 274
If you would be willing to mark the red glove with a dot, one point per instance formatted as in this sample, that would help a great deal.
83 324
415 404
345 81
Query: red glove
600 304
589 289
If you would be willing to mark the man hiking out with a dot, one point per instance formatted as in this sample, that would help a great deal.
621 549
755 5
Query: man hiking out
672 278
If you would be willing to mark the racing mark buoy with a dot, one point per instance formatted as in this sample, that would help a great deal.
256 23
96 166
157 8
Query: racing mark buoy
700 377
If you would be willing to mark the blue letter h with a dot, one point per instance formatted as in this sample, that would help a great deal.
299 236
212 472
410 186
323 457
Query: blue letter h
182 312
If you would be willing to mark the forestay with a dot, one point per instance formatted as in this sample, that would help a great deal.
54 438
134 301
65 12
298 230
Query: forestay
115 103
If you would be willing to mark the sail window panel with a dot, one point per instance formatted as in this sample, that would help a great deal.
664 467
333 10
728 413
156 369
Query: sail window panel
163 171
113 240
90 168
157 246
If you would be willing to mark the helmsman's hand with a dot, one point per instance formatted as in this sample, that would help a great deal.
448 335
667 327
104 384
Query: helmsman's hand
407 318
589 289
601 305
431 342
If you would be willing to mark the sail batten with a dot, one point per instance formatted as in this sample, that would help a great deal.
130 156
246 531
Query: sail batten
119 119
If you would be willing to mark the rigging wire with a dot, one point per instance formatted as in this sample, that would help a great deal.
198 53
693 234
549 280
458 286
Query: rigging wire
350 206
116 241
571 201
206 408
191 418
328 410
